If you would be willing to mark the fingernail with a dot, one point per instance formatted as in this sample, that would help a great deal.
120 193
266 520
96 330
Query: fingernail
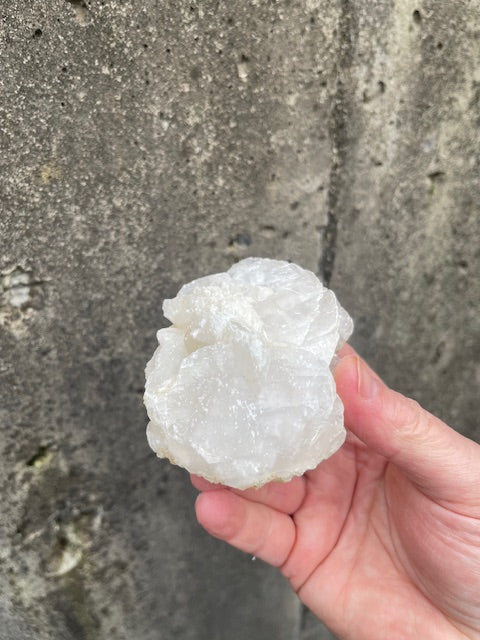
367 384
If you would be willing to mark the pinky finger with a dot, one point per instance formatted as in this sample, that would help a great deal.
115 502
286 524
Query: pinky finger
248 526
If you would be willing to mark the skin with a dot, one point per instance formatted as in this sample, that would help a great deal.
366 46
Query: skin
382 540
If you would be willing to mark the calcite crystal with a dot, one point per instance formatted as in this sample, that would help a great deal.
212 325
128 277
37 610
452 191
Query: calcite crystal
240 390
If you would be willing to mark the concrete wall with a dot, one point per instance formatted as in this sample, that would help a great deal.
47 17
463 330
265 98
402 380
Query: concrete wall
147 143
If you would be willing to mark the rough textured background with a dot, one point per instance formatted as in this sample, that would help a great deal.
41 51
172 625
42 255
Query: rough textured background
143 144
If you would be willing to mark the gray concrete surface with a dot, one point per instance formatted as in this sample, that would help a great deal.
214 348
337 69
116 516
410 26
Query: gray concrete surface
144 144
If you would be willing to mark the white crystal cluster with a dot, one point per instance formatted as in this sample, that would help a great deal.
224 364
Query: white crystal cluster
240 389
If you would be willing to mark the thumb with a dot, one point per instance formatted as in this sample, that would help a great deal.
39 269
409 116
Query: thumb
440 461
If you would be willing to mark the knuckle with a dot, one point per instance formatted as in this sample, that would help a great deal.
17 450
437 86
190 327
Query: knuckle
414 419
411 422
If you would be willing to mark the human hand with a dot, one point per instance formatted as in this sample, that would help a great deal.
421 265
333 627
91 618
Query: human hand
382 540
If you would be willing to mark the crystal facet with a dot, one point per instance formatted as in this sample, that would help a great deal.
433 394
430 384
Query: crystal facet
240 390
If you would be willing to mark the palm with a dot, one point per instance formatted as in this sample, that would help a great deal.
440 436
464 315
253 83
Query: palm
375 533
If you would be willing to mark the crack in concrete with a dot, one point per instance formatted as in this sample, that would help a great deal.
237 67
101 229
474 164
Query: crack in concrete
339 137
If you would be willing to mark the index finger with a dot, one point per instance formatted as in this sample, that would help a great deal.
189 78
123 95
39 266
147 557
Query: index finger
285 497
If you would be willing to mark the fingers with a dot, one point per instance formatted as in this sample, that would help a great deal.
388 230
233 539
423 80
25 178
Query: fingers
281 496
346 350
248 526
432 454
